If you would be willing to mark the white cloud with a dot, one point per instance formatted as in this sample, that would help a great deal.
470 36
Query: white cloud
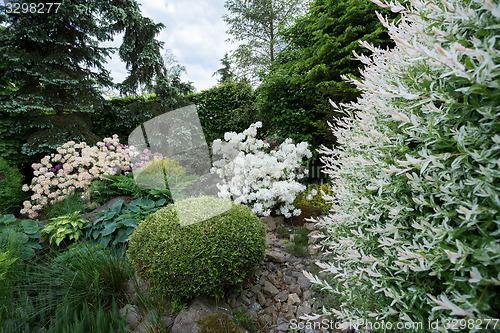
195 33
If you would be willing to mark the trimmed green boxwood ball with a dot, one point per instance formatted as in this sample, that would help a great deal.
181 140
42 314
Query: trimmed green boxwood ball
205 258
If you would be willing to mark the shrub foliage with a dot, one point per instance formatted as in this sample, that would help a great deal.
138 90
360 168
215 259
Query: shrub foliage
416 227
205 258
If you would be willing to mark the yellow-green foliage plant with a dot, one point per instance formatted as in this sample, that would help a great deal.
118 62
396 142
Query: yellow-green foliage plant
64 227
415 231
204 258
318 195
156 166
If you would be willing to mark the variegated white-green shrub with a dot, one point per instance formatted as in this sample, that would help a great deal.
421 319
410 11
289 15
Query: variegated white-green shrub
414 225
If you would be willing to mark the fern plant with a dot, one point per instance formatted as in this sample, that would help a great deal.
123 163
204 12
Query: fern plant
110 186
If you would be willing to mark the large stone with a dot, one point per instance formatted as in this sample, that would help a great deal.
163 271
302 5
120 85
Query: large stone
303 309
282 296
275 256
269 289
314 236
279 220
200 308
260 298
309 226
131 314
303 282
268 223
293 299
295 288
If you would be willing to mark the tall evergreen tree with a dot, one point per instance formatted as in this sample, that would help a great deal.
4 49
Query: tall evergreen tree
58 65
307 73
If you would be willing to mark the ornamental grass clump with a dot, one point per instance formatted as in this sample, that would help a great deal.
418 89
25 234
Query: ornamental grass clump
414 227
263 179
73 168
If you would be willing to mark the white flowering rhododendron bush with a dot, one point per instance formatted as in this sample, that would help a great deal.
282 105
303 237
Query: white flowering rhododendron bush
73 168
264 179
414 226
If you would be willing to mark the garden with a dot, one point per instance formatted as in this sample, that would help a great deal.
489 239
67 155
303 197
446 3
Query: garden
305 192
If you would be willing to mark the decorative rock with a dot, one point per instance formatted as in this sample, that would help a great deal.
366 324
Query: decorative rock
275 256
307 294
295 288
309 226
303 310
313 249
255 307
131 314
283 327
314 236
289 315
279 220
260 298
244 300
282 296
271 236
256 288
185 321
292 308
289 279
274 281
303 282
269 289
268 223
293 299
284 307
270 309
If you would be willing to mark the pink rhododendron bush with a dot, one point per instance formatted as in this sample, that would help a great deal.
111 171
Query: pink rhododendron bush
414 227
72 168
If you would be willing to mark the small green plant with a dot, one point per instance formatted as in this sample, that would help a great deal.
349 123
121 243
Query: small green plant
64 227
205 258
217 323
283 232
244 320
10 184
116 224
298 247
25 232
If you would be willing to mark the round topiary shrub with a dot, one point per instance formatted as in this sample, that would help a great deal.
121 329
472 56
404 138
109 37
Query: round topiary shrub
205 258
10 185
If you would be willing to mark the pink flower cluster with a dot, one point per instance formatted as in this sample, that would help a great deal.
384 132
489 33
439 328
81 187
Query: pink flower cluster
73 167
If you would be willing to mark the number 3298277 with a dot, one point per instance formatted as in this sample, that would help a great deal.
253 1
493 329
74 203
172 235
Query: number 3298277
33 8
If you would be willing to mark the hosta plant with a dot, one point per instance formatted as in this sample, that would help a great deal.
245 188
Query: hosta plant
64 227
20 236
414 229
115 225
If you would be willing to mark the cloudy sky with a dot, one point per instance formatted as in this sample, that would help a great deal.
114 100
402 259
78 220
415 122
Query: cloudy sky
195 33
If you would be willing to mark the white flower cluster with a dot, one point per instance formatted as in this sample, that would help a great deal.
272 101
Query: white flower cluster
74 166
263 181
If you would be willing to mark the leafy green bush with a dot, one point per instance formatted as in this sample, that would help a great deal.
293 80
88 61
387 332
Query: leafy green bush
204 258
62 227
225 108
11 187
415 232
108 187
26 234
115 225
